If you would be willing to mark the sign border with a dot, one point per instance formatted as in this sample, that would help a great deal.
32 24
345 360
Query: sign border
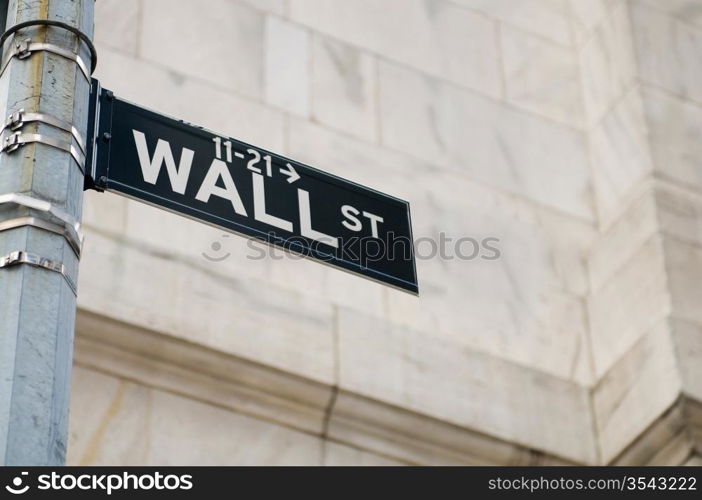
98 179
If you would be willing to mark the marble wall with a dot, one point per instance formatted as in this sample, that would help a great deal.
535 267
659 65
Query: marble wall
562 127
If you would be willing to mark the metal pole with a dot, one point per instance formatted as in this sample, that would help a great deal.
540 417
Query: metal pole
41 192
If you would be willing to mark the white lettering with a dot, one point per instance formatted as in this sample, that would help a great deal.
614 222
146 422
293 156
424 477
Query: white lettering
374 222
209 187
259 195
350 213
303 198
150 168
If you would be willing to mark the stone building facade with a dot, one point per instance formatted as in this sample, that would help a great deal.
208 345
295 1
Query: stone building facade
568 129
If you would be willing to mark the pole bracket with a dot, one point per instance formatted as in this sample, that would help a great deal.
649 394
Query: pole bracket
62 224
25 48
17 120
20 257
15 141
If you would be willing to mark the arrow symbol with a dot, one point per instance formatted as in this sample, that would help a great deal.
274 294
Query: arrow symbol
291 173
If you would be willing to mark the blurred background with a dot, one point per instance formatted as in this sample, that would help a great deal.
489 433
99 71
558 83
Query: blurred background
566 130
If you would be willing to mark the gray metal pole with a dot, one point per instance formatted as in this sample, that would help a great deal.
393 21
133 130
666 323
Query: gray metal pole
38 261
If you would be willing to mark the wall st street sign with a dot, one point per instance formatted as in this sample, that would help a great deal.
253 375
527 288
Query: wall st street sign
244 189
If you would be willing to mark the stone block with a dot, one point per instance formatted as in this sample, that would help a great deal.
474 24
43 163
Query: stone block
189 99
616 245
688 346
189 38
667 50
485 140
547 18
344 88
629 304
443 377
340 455
636 390
252 319
684 267
608 64
673 125
287 64
168 429
436 37
679 212
587 16
541 77
118 24
621 157
689 11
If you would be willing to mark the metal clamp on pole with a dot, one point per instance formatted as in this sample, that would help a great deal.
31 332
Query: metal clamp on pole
19 257
64 225
17 120
25 48
18 139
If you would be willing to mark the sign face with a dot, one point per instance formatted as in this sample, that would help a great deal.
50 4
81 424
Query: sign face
246 190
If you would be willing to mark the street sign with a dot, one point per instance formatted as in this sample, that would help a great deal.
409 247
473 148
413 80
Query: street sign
249 191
